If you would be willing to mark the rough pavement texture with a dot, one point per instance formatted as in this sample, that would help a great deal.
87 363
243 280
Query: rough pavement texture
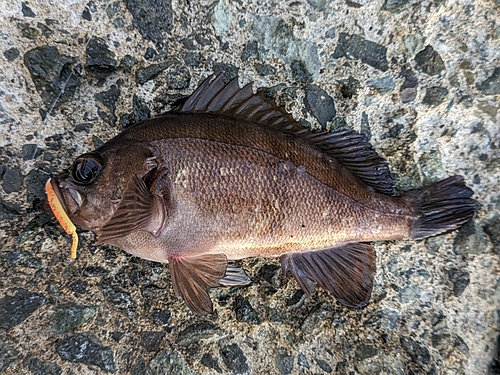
421 79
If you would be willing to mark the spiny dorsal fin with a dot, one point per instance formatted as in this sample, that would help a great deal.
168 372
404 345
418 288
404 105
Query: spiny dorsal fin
213 96
351 149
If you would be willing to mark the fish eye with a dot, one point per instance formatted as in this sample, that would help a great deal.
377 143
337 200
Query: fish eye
86 168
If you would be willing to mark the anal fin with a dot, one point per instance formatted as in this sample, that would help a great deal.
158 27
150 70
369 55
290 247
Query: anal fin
346 271
192 276
235 276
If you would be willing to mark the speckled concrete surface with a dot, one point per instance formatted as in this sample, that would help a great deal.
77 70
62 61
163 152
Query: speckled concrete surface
421 79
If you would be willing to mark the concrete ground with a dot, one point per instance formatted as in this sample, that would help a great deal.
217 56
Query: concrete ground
421 79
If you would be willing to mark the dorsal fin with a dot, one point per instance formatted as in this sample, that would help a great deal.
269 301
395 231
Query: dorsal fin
351 149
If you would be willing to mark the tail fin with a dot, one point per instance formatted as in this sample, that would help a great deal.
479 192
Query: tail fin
443 207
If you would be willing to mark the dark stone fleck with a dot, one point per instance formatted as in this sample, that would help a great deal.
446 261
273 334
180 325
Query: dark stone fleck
11 54
117 336
323 365
35 183
494 367
84 127
108 98
52 75
17 308
126 120
330 33
382 85
46 31
265 70
9 210
189 44
78 286
364 351
302 361
444 342
491 85
352 4
192 59
416 350
338 124
435 96
101 62
8 355
194 333
84 348
127 63
317 4
141 110
39 367
408 90
69 316
201 38
122 300
429 62
22 258
29 32
234 359
469 240
341 367
349 87
249 50
460 280
167 363
300 72
152 71
492 229
161 317
151 341
139 367
228 70
12 180
178 79
153 18
365 126
270 273
319 104
94 271
358 48
86 15
209 361
284 363
150 53
297 296
31 151
244 311
27 11
395 6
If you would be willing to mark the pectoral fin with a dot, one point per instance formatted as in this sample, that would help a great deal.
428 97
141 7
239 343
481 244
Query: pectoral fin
191 276
139 209
346 271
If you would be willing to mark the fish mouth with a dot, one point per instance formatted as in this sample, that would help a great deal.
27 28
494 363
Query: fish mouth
71 200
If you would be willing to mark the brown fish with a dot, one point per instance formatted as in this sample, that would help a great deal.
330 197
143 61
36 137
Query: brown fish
230 175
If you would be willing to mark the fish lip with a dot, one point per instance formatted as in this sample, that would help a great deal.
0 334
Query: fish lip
72 194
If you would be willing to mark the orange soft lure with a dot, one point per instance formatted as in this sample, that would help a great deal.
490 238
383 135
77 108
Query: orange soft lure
61 216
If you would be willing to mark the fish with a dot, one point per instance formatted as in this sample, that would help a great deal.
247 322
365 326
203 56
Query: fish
229 174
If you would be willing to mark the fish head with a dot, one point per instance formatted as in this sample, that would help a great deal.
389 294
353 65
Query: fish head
84 191
91 189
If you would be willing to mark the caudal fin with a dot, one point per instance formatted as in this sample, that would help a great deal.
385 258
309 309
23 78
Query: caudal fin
443 207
